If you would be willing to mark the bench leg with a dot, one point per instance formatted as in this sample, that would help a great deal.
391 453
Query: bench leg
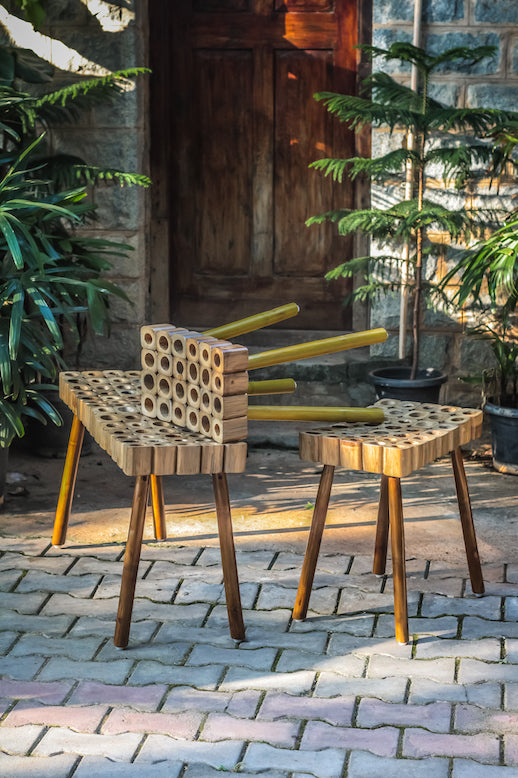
313 547
228 556
157 503
397 537
131 561
68 482
466 518
382 530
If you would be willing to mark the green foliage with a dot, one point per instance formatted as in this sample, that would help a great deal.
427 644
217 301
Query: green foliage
462 143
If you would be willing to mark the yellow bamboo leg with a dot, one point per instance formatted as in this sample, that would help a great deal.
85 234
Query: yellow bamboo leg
253 323
68 480
157 503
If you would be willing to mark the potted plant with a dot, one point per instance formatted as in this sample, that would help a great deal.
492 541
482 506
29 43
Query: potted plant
489 283
445 139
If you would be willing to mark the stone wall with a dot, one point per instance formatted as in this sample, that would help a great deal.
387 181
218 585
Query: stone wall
492 83
91 38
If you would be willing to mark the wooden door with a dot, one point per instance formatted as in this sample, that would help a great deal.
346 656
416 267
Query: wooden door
233 174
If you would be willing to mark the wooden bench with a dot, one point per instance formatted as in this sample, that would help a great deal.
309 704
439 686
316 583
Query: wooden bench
412 435
107 404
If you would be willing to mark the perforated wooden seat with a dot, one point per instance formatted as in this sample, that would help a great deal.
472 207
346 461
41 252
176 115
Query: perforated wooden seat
412 435
107 404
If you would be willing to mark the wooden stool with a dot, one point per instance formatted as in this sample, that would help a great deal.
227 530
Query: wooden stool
107 404
412 435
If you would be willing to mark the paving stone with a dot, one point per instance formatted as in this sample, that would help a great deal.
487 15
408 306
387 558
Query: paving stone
244 704
58 669
275 620
44 625
511 749
155 591
361 564
38 691
216 636
361 624
29 602
365 765
475 627
272 596
374 713
222 755
472 718
80 719
76 585
6 641
443 626
388 689
140 697
511 650
71 648
239 678
169 571
449 587
18 740
496 589
381 741
355 600
336 711
467 768
179 555
205 677
441 670
60 739
348 644
87 565
419 743
9 579
203 771
59 766
486 607
102 767
170 653
141 631
194 615
488 649
29 547
337 564
183 726
75 606
474 671
349 665
424 691
220 726
23 668
185 698
11 561
314 642
258 658
324 764
112 552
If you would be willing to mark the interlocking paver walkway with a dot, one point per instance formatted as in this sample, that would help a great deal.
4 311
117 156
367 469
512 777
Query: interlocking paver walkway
333 697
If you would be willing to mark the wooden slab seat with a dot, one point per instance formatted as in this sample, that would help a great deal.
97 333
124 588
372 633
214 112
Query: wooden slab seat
412 435
107 404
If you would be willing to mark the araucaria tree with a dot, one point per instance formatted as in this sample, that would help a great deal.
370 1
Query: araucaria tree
456 141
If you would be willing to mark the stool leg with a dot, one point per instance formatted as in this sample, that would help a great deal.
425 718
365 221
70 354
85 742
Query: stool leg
68 482
397 537
466 518
382 530
228 556
157 503
131 561
315 538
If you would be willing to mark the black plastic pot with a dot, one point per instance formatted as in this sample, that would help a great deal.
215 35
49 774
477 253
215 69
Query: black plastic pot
4 458
395 383
504 434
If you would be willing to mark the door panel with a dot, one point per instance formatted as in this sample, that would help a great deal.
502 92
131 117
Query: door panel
244 128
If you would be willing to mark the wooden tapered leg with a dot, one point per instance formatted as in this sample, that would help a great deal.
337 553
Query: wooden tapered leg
68 482
382 530
131 561
228 556
157 503
314 540
397 537
466 518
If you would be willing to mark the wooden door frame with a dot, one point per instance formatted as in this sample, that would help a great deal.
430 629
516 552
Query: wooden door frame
161 121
